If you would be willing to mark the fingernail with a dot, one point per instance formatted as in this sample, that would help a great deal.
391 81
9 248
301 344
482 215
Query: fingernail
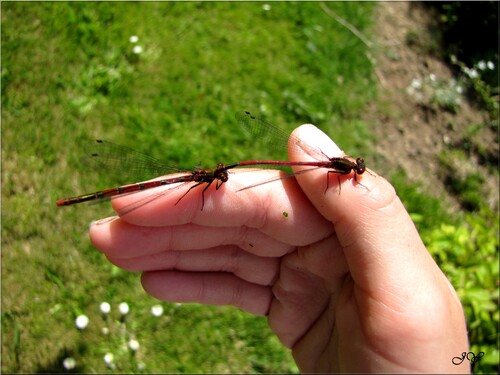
316 143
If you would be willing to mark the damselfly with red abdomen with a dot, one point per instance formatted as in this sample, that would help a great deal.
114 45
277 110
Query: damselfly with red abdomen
274 135
109 154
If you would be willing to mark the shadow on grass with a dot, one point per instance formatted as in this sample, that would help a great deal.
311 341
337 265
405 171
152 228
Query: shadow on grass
56 364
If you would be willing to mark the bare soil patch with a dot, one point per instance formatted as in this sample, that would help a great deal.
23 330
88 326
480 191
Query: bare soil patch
409 135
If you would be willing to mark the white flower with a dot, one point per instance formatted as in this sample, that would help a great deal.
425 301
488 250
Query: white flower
432 76
459 89
491 65
481 65
109 359
69 363
141 366
137 50
133 39
133 345
472 73
105 307
416 83
123 307
157 310
105 330
266 7
82 322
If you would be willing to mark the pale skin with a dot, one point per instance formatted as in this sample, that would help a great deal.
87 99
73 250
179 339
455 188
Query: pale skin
344 279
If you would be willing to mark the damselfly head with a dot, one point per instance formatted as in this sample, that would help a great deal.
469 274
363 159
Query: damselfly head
360 166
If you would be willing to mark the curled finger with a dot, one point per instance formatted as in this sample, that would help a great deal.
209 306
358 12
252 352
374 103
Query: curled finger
211 288
120 239
230 259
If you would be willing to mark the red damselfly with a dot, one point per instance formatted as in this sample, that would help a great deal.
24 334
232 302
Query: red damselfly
107 154
264 130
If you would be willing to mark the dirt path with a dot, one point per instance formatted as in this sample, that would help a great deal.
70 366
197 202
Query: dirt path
410 136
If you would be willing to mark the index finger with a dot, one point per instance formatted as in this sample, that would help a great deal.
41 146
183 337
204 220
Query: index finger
279 209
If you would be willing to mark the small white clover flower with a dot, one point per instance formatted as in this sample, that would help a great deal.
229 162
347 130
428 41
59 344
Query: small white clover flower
472 73
432 77
82 321
266 7
105 308
157 310
133 39
491 65
133 345
481 65
137 50
105 330
109 359
69 363
416 83
141 366
123 308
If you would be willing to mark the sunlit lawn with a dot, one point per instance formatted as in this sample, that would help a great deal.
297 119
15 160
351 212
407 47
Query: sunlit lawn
69 74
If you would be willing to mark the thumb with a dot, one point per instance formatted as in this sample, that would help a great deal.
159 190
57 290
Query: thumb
381 244
397 288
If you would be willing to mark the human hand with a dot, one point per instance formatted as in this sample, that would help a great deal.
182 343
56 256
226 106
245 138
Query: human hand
344 279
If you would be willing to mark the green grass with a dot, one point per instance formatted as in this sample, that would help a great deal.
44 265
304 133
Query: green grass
68 75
